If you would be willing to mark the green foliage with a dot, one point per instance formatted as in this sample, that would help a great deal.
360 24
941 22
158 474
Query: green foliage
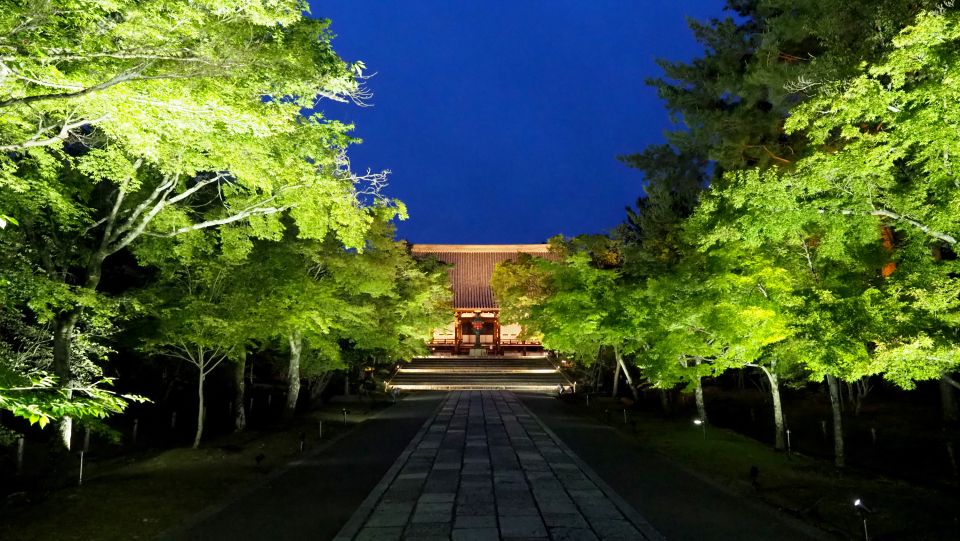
38 398
816 157
885 138
138 125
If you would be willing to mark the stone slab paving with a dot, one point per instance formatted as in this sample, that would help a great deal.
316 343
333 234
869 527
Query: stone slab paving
484 467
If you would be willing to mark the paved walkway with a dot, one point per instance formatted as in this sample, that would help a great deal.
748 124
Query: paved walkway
484 467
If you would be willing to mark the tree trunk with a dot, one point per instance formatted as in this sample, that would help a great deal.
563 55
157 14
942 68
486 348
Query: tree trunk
196 439
239 392
318 384
293 374
780 428
698 396
626 373
616 380
665 401
63 327
948 399
836 403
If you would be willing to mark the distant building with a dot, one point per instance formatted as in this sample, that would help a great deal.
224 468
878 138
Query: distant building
473 303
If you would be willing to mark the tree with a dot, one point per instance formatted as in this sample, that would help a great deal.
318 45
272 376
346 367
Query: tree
754 105
578 302
127 120
877 166
329 304
874 189
27 387
734 99
197 319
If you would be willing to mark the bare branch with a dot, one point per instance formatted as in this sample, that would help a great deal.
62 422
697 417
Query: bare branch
139 228
223 356
95 224
900 218
762 290
128 55
802 84
39 82
257 211
168 184
65 132
194 189
128 75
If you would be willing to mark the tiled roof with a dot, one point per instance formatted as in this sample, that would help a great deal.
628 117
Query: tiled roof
473 268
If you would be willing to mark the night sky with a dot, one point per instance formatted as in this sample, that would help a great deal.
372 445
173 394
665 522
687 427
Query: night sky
501 120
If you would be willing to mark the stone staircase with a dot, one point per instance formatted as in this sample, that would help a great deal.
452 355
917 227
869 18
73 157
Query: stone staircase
479 373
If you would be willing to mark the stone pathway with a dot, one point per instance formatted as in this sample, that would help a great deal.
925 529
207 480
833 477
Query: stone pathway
484 467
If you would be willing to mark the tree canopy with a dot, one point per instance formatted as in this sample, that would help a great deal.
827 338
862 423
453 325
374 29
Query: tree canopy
179 139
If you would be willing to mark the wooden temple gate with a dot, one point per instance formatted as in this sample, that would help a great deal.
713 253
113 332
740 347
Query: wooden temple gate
475 308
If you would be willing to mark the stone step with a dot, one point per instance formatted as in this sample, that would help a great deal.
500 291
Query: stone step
479 373
475 387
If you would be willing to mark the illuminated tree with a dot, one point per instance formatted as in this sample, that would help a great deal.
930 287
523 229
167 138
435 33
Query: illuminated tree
129 119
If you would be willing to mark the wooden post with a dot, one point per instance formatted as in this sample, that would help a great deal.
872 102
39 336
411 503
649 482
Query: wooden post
21 444
950 455
457 334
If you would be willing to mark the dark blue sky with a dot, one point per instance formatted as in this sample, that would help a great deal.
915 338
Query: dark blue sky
502 119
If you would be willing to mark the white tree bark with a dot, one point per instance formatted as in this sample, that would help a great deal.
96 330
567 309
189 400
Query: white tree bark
616 380
698 395
293 373
206 360
626 373
778 422
239 392
199 434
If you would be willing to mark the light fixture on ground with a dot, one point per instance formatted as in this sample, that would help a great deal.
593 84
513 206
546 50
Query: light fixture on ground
702 425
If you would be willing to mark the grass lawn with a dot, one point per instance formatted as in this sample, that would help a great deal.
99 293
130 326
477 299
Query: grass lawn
138 498
810 489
